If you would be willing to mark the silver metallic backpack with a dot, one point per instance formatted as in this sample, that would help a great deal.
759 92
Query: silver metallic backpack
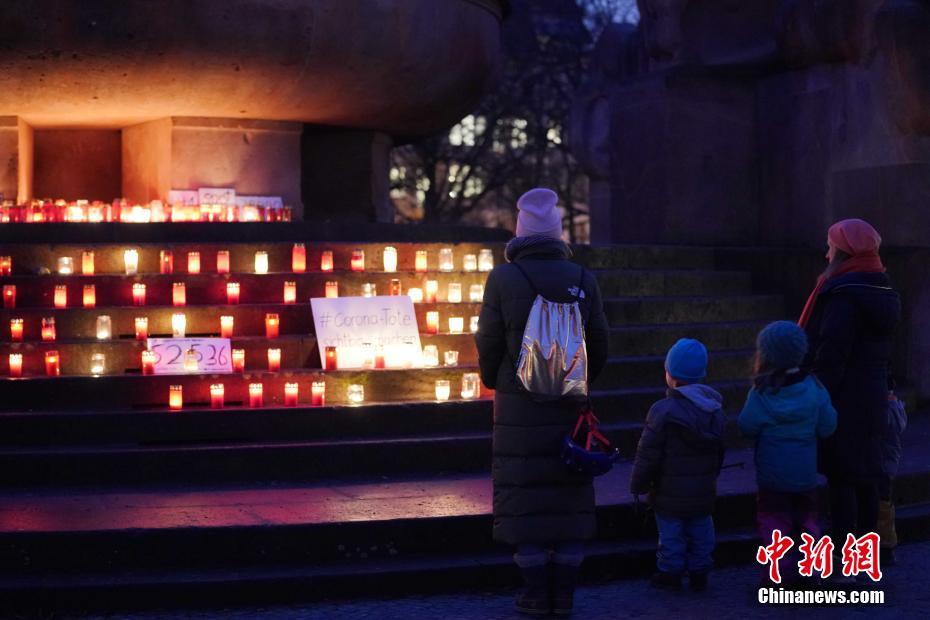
553 362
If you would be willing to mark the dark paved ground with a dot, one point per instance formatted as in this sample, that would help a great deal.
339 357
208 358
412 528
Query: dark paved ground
731 596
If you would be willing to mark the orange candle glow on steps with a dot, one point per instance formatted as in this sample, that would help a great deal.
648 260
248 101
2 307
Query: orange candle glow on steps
332 289
357 262
16 364
176 397
217 395
61 296
90 296
317 394
256 398
291 392
272 325
299 258
274 360
232 293
87 263
166 262
222 261
432 322
52 364
331 359
178 294
290 292
238 360
193 262
226 326
6 265
48 329
138 294
9 295
326 260
148 362
431 294
420 261
142 327
16 330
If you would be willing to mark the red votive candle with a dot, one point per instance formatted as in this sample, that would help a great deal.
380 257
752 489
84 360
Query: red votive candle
193 262
16 364
222 261
90 296
238 360
48 329
256 398
52 366
232 293
61 296
178 294
9 295
332 289
290 394
331 360
432 322
431 293
166 262
299 258
226 326
326 260
175 397
217 394
317 394
290 292
274 360
420 262
358 260
138 294
16 330
379 358
142 327
6 265
148 362
87 263
272 323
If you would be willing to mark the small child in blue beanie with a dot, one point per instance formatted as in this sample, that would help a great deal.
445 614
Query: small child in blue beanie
677 463
786 411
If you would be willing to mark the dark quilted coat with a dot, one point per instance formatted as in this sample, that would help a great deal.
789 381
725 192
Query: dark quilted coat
536 499
680 452
850 333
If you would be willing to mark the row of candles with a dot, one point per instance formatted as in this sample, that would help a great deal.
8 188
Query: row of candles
331 290
155 211
355 393
483 261
104 326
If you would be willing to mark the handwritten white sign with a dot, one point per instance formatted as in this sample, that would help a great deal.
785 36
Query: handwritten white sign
213 355
217 195
269 202
190 197
358 325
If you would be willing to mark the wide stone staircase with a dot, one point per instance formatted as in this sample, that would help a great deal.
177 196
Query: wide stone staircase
111 500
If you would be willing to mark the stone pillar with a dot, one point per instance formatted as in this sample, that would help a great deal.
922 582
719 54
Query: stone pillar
346 174
254 157
16 159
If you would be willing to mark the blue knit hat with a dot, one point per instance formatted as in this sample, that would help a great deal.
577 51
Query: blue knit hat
782 344
687 360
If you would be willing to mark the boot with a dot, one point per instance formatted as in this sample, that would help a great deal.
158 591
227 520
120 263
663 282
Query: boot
564 578
533 600
698 581
666 581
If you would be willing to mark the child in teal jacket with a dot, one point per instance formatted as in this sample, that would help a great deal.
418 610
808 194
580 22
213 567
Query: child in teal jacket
786 412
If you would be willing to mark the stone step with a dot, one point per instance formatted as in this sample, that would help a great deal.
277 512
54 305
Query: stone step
628 311
656 283
657 339
649 371
341 539
644 257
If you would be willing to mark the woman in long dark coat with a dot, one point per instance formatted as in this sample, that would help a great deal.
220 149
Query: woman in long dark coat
850 319
539 507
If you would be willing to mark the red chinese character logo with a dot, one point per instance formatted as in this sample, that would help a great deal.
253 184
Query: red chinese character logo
817 556
773 553
861 555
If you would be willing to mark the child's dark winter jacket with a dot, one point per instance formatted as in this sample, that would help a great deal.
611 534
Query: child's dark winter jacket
680 452
786 424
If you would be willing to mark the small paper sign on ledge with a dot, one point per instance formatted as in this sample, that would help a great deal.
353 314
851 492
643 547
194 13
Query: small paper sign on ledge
212 354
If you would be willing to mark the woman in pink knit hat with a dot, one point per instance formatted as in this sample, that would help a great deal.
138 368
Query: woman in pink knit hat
850 319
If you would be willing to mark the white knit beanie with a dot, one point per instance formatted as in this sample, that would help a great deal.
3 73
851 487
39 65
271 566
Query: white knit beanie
539 214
